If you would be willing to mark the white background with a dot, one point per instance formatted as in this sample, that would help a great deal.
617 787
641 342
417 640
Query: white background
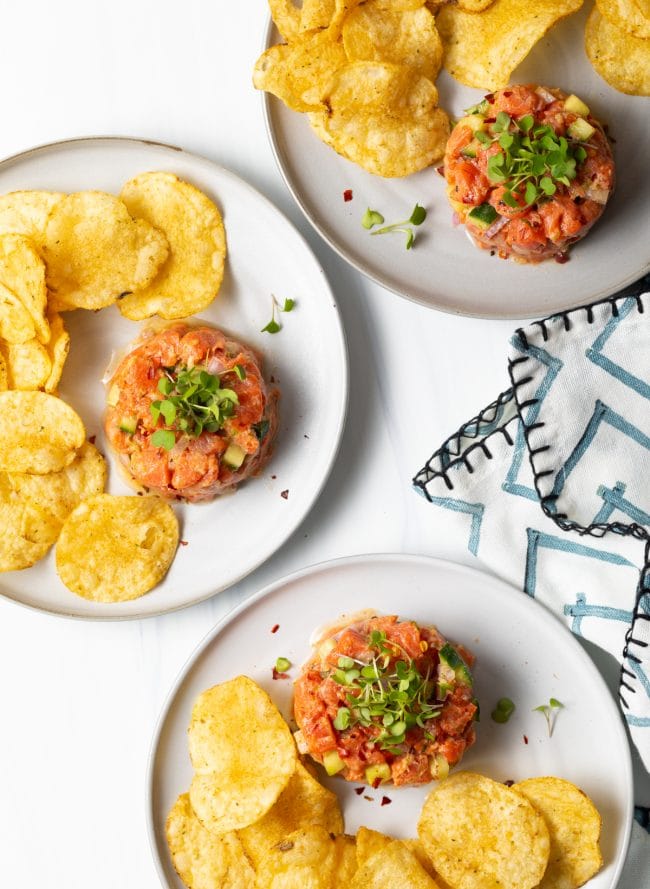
79 701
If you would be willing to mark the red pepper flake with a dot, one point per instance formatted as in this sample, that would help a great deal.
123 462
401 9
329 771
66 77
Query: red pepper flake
369 798
509 782
284 494
274 477
183 542
490 98
92 439
359 790
440 171
525 739
386 801
347 194
275 628
561 258
277 675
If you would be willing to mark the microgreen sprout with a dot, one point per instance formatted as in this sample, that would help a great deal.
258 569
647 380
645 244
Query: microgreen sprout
550 712
417 217
282 664
274 326
503 710
194 402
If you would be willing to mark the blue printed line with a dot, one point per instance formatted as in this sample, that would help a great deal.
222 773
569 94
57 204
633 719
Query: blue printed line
475 510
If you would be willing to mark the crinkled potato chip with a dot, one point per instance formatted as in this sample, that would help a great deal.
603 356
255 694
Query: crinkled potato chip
482 50
205 860
628 15
28 533
242 752
474 5
373 33
28 364
394 865
307 858
620 59
384 118
298 73
39 432
369 843
303 801
4 379
286 17
22 271
16 324
190 279
346 864
316 15
57 348
480 833
95 252
26 212
574 826
113 549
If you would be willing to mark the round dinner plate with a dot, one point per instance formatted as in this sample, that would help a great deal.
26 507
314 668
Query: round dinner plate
444 270
523 652
226 539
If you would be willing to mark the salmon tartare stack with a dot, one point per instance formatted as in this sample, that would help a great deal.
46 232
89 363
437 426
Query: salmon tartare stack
385 700
529 170
189 413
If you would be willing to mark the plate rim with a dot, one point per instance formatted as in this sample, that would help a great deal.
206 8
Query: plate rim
365 269
368 558
136 141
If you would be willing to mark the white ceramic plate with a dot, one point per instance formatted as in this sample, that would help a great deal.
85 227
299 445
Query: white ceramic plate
228 538
444 270
523 652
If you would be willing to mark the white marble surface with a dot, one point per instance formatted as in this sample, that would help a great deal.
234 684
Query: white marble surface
80 700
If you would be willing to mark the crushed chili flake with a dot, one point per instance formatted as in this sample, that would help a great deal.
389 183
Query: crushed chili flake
369 798
440 171
275 628
183 542
274 477
525 739
277 675
347 194
386 801
284 494
92 439
509 782
358 790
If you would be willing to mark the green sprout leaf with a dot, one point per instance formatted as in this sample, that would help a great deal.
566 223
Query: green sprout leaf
163 438
288 305
417 217
271 327
547 710
503 710
282 664
371 218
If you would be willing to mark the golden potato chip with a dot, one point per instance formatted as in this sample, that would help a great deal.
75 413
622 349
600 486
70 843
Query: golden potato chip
39 432
620 59
478 832
28 364
416 847
298 73
95 252
383 117
57 348
26 212
345 849
373 33
28 533
205 860
191 277
3 374
393 865
286 18
482 50
16 324
628 15
474 5
112 549
303 801
305 859
574 826
242 752
369 843
22 271
316 14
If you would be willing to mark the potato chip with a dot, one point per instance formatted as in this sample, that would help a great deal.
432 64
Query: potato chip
628 15
28 364
299 73
28 533
369 843
374 33
316 15
482 50
304 801
22 271
205 860
393 865
574 826
242 752
26 213
16 324
112 549
4 379
384 118
39 433
478 832
95 252
474 5
57 348
191 277
345 848
416 847
305 859
620 59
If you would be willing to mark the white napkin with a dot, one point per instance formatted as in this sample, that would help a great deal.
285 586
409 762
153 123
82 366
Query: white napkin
550 488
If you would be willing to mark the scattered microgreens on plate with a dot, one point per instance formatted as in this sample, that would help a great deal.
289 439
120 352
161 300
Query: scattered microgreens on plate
550 712
503 710
274 326
194 402
371 218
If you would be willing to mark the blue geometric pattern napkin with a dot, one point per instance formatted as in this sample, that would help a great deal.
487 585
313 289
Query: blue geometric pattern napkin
549 486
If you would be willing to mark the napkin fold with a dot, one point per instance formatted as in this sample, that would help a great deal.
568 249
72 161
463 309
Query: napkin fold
549 485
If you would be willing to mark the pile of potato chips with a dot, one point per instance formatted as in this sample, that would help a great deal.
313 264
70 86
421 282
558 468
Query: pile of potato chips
617 41
256 818
364 72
